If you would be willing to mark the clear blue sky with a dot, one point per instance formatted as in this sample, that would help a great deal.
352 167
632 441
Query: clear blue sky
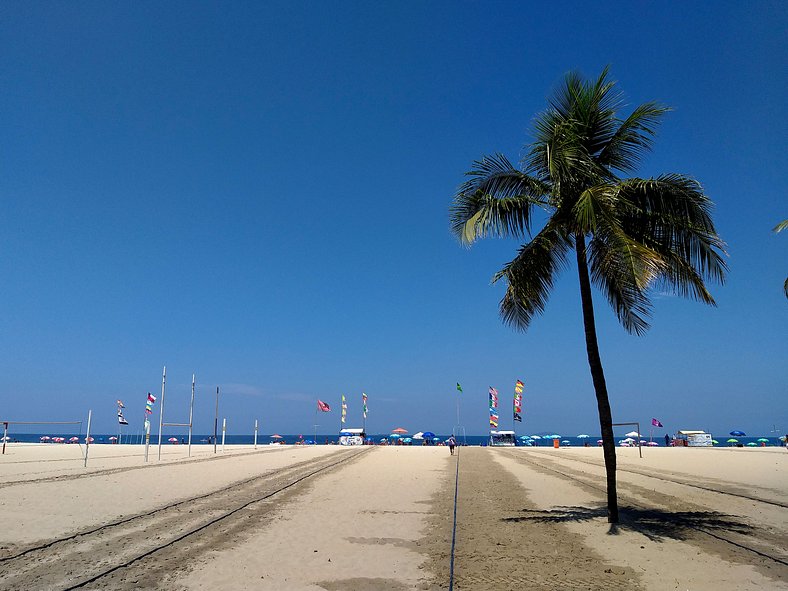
259 193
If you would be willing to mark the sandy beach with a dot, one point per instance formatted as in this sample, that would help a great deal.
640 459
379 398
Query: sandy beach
375 518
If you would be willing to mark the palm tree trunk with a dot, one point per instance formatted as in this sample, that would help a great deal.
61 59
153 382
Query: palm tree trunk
598 377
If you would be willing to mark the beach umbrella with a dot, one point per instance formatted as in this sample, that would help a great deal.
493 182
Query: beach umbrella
436 438
583 436
565 441
74 439
752 444
173 440
275 436
89 439
738 434
113 438
599 441
555 436
341 433
732 440
395 436
428 435
535 437
633 434
400 430
763 439
419 435
45 438
407 440
652 444
714 441
383 439
524 437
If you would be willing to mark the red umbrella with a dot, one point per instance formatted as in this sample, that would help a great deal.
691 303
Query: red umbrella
74 439
89 440
400 430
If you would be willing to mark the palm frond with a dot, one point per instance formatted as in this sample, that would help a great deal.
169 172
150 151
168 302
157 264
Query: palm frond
633 138
781 226
613 272
672 215
497 200
530 276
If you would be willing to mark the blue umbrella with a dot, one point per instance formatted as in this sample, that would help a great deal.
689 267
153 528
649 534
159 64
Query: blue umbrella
436 438
738 434
428 435
345 433
524 437
407 440
394 436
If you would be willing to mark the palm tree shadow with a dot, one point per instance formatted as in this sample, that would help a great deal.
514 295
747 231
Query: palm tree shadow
656 524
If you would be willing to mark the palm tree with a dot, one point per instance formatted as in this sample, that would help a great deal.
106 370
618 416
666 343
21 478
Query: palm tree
629 235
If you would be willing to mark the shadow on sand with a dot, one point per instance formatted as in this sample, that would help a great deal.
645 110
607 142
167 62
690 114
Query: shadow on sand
657 525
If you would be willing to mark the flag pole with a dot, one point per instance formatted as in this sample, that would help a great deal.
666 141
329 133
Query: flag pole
315 425
87 438
161 408
191 414
255 433
216 420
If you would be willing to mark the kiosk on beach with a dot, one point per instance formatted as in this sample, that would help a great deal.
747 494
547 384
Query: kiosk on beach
502 439
694 438
352 437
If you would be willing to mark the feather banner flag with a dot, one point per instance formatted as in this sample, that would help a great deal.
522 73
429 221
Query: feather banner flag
518 401
344 409
149 403
323 406
459 388
364 404
493 407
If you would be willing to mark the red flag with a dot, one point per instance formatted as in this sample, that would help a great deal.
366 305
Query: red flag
323 406
656 423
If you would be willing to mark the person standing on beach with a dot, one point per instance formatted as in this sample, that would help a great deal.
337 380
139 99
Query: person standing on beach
452 442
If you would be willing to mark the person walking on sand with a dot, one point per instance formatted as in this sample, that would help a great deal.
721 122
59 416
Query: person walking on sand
452 442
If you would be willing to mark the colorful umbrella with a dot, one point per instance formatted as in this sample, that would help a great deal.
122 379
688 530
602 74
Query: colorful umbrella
395 436
400 430
74 439
275 436
173 440
732 440
752 444
763 439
